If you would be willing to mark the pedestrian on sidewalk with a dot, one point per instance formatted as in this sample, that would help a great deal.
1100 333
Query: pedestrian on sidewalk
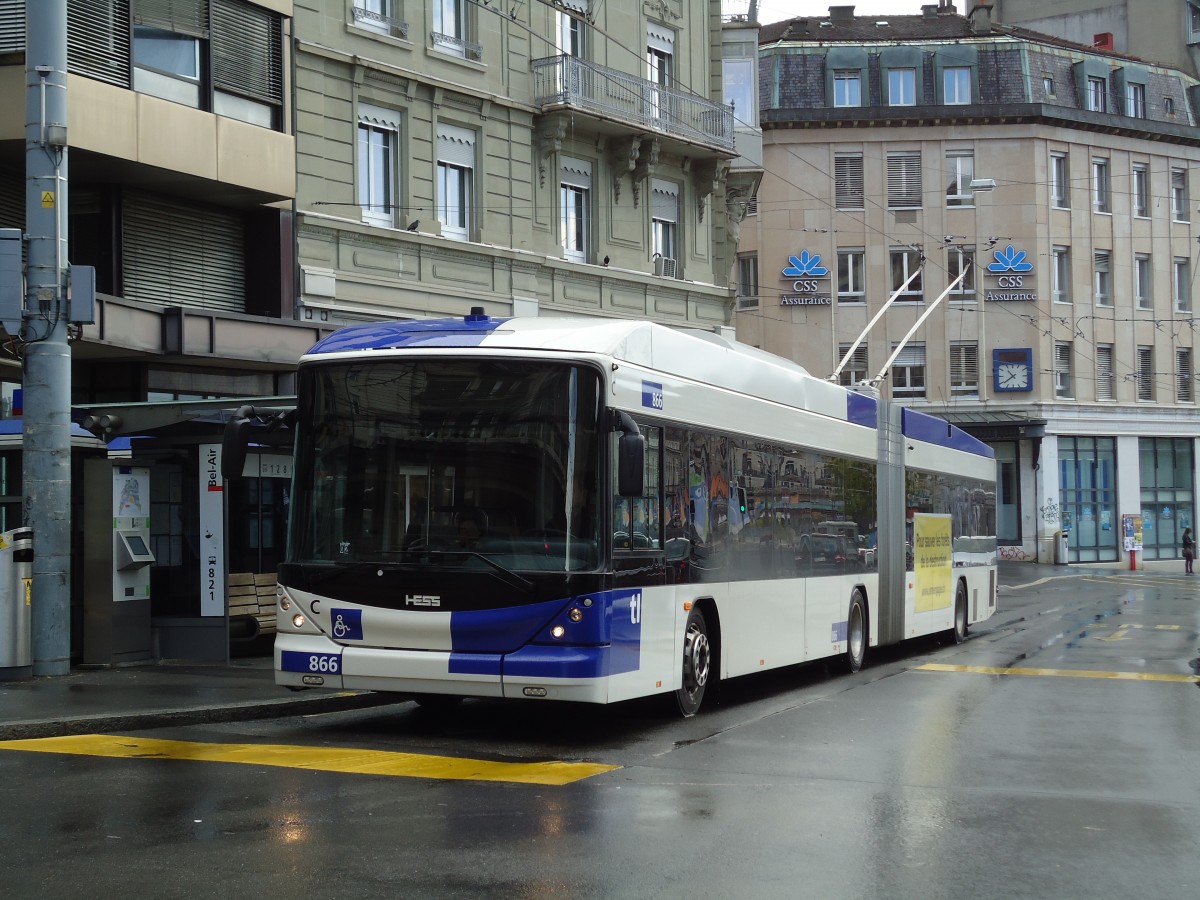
1189 551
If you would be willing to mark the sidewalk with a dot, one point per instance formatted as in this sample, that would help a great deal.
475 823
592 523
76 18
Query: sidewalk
130 698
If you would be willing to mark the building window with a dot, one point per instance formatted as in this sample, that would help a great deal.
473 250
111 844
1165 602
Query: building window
1060 274
748 281
960 166
1135 100
908 372
1182 284
1048 88
571 33
1141 190
451 29
455 180
1101 195
575 189
1097 95
1060 185
956 86
961 261
1142 273
1166 480
905 262
1145 373
1179 195
383 16
738 85
166 64
660 68
378 141
848 181
964 369
902 87
1102 279
904 180
1105 379
1088 496
664 225
1063 383
1184 382
847 88
1169 106
855 370
852 283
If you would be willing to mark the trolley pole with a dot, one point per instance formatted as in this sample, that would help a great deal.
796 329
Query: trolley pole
47 354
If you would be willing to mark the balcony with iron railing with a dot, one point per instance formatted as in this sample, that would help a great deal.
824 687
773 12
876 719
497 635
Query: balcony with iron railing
625 102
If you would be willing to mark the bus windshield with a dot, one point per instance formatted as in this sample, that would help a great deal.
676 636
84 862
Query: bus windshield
455 463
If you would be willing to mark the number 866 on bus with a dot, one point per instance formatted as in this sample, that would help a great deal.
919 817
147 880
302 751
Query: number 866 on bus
310 663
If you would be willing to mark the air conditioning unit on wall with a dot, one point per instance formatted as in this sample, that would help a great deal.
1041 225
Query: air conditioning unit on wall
664 267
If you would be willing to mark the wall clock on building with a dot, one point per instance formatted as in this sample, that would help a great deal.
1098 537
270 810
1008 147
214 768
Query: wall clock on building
1012 370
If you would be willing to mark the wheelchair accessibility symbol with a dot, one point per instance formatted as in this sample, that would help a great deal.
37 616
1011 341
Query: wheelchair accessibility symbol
347 624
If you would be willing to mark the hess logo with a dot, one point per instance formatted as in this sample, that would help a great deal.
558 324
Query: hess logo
422 600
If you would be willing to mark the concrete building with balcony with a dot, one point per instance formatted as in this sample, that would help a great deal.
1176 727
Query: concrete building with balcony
1042 191
542 158
182 174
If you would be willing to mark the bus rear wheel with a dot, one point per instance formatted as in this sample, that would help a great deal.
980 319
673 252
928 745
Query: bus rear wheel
697 664
856 632
960 613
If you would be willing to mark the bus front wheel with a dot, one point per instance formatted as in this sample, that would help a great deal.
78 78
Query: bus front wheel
697 664
856 632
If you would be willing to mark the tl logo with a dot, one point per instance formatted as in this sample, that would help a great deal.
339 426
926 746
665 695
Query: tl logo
805 265
1010 260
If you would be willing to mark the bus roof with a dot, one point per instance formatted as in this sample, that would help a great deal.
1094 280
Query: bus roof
721 363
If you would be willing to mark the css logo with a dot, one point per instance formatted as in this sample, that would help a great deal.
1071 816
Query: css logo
1010 281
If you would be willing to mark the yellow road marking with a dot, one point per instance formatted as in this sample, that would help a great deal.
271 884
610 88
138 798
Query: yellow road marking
322 759
1061 673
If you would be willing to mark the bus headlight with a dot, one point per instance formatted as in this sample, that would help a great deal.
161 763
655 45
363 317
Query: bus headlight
298 620
575 614
285 602
558 631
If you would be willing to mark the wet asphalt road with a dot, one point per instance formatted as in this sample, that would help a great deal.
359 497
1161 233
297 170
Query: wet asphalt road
898 782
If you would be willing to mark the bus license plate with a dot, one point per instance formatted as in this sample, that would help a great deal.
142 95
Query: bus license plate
311 663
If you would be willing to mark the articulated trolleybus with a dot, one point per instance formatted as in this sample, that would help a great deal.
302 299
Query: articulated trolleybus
596 510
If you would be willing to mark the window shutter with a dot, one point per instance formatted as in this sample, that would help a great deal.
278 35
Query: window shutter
911 355
1145 373
98 39
576 172
247 44
856 366
964 368
1183 374
664 201
182 256
456 145
904 180
12 26
1104 372
848 181
182 16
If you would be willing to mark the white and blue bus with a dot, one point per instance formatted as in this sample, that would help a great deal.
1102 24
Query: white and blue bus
597 510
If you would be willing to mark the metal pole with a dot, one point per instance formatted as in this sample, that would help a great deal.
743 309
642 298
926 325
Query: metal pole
47 354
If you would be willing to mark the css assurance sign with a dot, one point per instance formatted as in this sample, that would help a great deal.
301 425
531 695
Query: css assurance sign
810 284
1010 269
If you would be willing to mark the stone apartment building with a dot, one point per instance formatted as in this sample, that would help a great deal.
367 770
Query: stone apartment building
1056 179
537 158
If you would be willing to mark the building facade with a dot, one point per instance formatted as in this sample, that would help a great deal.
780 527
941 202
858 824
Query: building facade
1032 198
541 158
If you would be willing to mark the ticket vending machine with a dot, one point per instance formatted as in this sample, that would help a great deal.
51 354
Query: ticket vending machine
117 559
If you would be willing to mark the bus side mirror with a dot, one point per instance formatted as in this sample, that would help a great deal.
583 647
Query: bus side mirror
234 446
631 464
